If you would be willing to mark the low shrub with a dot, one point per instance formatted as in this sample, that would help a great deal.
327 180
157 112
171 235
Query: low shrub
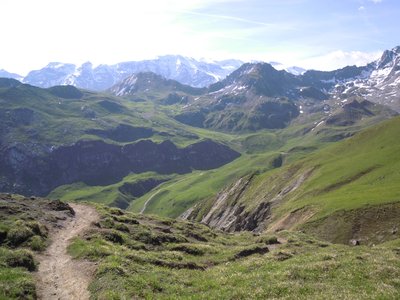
20 258
37 243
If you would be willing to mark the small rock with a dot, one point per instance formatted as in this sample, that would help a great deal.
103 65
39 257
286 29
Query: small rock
354 242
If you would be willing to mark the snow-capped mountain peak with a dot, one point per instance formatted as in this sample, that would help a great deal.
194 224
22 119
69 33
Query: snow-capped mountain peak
378 82
186 70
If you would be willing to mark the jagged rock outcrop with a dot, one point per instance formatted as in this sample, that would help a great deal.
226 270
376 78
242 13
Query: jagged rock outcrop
99 163
228 214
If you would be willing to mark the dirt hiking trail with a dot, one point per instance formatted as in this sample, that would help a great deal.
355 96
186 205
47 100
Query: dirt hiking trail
59 276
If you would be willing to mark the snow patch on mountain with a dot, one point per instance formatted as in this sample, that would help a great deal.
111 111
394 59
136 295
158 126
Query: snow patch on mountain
290 69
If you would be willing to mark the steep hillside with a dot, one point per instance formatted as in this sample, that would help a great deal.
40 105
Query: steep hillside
98 163
334 188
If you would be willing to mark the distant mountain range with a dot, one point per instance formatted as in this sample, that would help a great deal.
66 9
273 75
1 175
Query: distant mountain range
196 73
5 74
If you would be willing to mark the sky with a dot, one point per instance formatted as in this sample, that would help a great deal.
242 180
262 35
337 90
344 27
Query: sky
313 34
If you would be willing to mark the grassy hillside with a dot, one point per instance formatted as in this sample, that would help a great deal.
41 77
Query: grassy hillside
363 170
149 257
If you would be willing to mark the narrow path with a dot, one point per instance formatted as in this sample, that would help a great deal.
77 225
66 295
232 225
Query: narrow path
59 276
148 201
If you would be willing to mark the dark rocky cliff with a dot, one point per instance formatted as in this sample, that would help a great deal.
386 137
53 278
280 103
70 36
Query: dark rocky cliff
99 163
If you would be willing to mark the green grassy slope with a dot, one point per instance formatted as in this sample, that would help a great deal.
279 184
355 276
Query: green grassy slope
140 256
363 170
355 173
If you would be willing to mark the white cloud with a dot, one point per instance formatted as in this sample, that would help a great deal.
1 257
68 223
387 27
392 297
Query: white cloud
361 8
376 1
339 59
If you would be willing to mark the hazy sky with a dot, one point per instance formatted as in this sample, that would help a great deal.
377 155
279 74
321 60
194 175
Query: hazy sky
319 34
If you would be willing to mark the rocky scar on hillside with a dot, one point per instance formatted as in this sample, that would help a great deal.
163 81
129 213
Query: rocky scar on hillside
99 163
230 211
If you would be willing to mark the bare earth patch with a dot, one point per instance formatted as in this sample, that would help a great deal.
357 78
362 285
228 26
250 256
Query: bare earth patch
59 276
